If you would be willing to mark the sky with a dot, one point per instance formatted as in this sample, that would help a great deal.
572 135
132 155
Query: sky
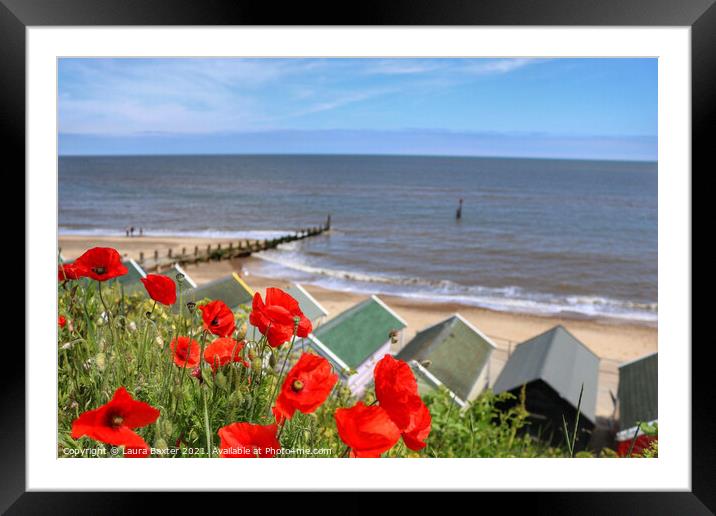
517 107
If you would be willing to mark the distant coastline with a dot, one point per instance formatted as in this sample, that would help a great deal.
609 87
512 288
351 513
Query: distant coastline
339 154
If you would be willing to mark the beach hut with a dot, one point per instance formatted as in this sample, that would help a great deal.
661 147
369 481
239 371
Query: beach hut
230 289
428 383
175 270
553 366
130 281
637 399
309 306
455 353
356 339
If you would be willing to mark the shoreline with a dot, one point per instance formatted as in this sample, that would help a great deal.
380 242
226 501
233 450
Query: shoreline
71 245
614 340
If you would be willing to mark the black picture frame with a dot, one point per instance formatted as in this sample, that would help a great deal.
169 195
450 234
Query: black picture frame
17 15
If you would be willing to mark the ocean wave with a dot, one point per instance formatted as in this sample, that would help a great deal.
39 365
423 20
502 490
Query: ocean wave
509 298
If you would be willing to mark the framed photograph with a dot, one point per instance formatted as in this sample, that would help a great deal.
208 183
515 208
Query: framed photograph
454 240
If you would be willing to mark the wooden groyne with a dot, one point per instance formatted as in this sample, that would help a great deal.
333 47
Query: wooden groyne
223 251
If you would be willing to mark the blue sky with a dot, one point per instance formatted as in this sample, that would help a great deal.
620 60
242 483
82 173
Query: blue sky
562 108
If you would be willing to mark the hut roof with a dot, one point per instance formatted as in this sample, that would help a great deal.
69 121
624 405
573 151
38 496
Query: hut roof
230 289
457 352
560 360
309 306
638 382
428 382
355 334
177 269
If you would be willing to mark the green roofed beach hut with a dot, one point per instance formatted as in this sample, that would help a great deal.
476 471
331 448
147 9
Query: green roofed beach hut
130 281
429 383
230 289
637 394
309 306
553 366
458 355
176 269
358 338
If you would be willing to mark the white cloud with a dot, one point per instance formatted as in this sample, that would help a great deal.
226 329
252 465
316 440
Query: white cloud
499 66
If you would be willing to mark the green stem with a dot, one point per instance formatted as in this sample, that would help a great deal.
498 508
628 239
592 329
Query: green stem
283 367
207 426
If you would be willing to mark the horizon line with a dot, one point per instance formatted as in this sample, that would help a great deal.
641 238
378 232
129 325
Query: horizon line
326 154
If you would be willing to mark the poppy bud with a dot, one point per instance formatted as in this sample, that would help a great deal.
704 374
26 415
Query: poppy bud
220 380
161 444
272 360
99 321
256 364
100 360
159 341
167 427
241 332
252 355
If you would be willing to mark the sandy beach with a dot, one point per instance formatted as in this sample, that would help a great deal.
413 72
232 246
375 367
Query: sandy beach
614 341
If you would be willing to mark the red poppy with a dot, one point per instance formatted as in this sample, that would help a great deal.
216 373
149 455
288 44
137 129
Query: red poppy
306 387
70 271
219 352
277 317
218 318
61 321
367 430
415 434
113 422
397 392
101 263
160 288
186 351
248 440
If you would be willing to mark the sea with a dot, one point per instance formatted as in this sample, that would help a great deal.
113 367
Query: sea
575 238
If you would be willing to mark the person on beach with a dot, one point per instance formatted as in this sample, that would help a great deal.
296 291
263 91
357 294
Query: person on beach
126 231
141 231
131 231
458 214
